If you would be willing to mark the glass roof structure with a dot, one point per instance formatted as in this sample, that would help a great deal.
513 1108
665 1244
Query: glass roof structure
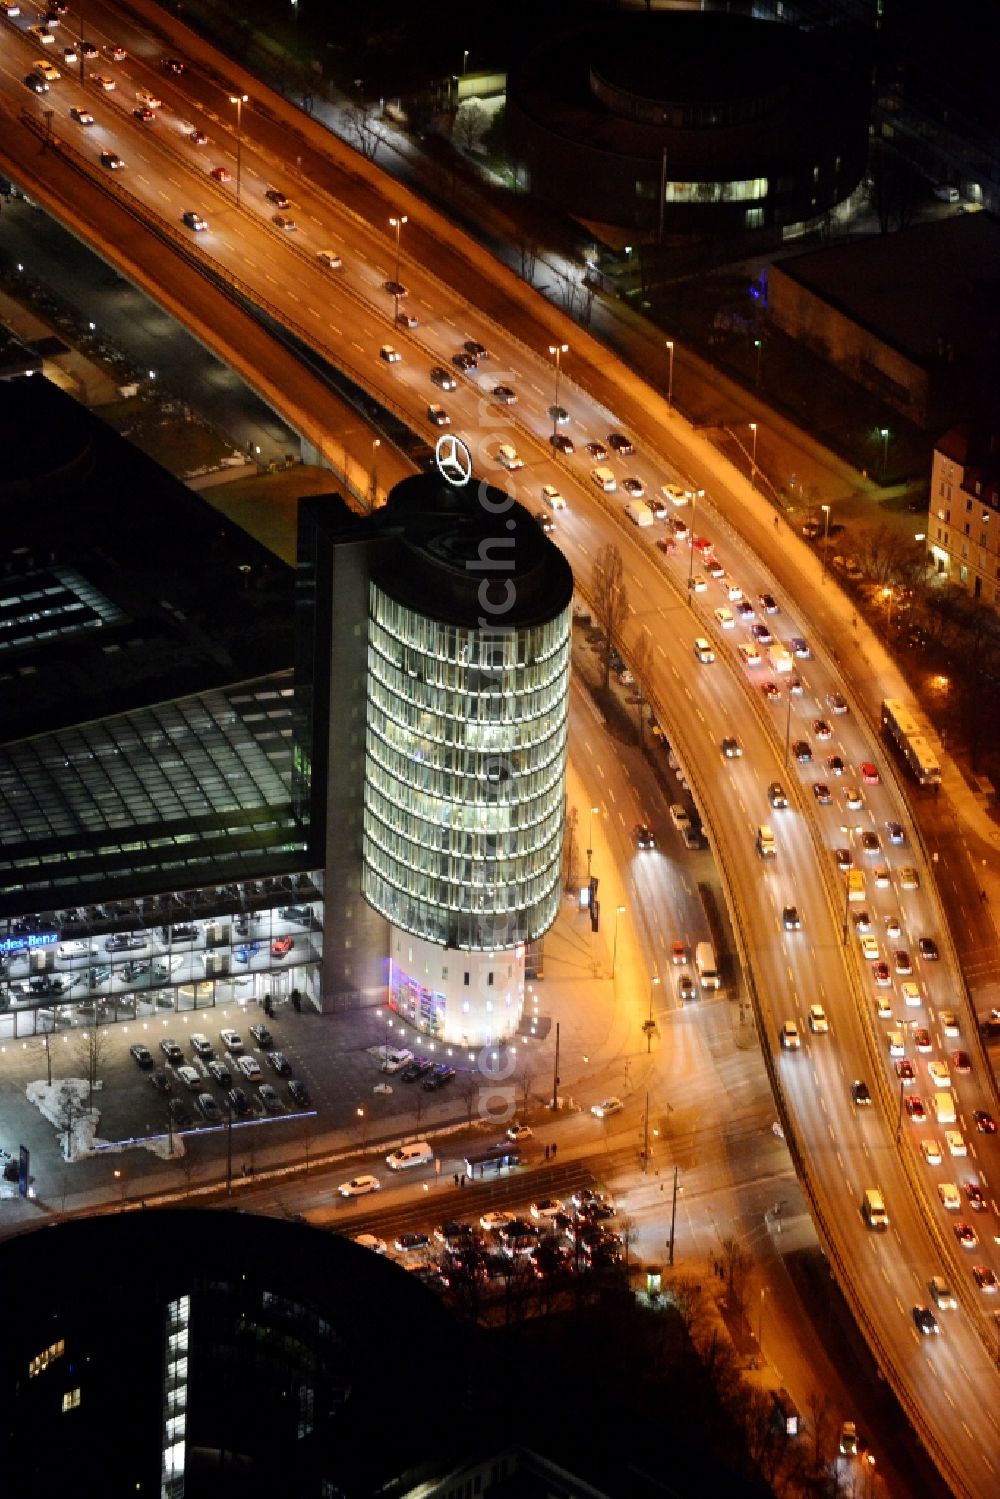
177 794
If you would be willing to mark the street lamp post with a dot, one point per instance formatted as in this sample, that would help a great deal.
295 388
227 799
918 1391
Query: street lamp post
670 375
788 725
758 344
558 350
883 432
465 60
397 222
376 444
590 839
753 469
619 911
887 594
650 1025
696 495
239 100
826 539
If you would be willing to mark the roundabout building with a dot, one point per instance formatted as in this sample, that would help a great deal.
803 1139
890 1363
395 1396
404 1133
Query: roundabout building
691 123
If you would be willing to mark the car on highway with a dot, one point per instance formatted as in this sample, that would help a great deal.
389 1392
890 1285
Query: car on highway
868 773
881 974
194 220
389 354
464 362
922 1040
802 750
909 879
843 859
198 138
221 174
276 196
925 1321
818 1022
620 444
860 1093
821 792
929 951
916 1108
81 116
686 989
562 444
862 922
761 634
961 1061
895 834
546 1208
50 73
985 1123
287 223
442 378
905 1070
101 81
799 648
966 1235
88 50
70 55
330 259
822 729
112 161
892 927
939 1074
359 1186
776 795
869 947
976 1196
634 487
837 702
41 34
644 838
749 655
790 1039
790 919
853 799
955 1141
985 1279
849 1439
173 65
509 457
116 53
901 962
143 113
931 1151
607 1107
731 747
597 451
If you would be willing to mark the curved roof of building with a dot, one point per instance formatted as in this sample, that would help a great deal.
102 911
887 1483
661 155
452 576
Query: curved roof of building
753 96
469 556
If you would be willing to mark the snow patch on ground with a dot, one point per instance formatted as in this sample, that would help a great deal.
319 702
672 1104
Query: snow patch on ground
65 1105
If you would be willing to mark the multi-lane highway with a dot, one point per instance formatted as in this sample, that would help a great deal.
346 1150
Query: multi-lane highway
947 1382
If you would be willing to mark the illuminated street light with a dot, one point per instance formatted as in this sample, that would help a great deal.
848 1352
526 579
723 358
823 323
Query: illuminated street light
619 911
826 539
558 350
397 222
590 838
373 496
753 472
239 100
883 432
465 61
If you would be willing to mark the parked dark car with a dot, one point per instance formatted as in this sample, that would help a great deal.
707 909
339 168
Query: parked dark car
442 1074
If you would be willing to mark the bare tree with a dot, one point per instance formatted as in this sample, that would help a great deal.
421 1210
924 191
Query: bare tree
642 670
524 1078
528 248
470 1091
68 1111
610 600
471 124
365 129
820 1428
92 1050
737 1264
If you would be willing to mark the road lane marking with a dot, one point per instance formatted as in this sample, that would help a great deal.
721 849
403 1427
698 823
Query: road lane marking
356 345
335 329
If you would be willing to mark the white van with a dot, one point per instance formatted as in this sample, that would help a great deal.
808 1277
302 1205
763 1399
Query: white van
509 456
395 1059
704 961
873 1208
604 479
417 1154
780 659
552 497
943 1105
639 513
732 588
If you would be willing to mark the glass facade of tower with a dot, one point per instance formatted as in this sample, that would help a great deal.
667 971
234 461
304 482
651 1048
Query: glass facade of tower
464 775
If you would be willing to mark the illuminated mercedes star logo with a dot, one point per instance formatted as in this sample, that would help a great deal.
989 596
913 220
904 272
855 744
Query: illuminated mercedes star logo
453 459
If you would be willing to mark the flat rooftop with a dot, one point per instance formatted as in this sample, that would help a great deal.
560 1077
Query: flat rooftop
938 281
